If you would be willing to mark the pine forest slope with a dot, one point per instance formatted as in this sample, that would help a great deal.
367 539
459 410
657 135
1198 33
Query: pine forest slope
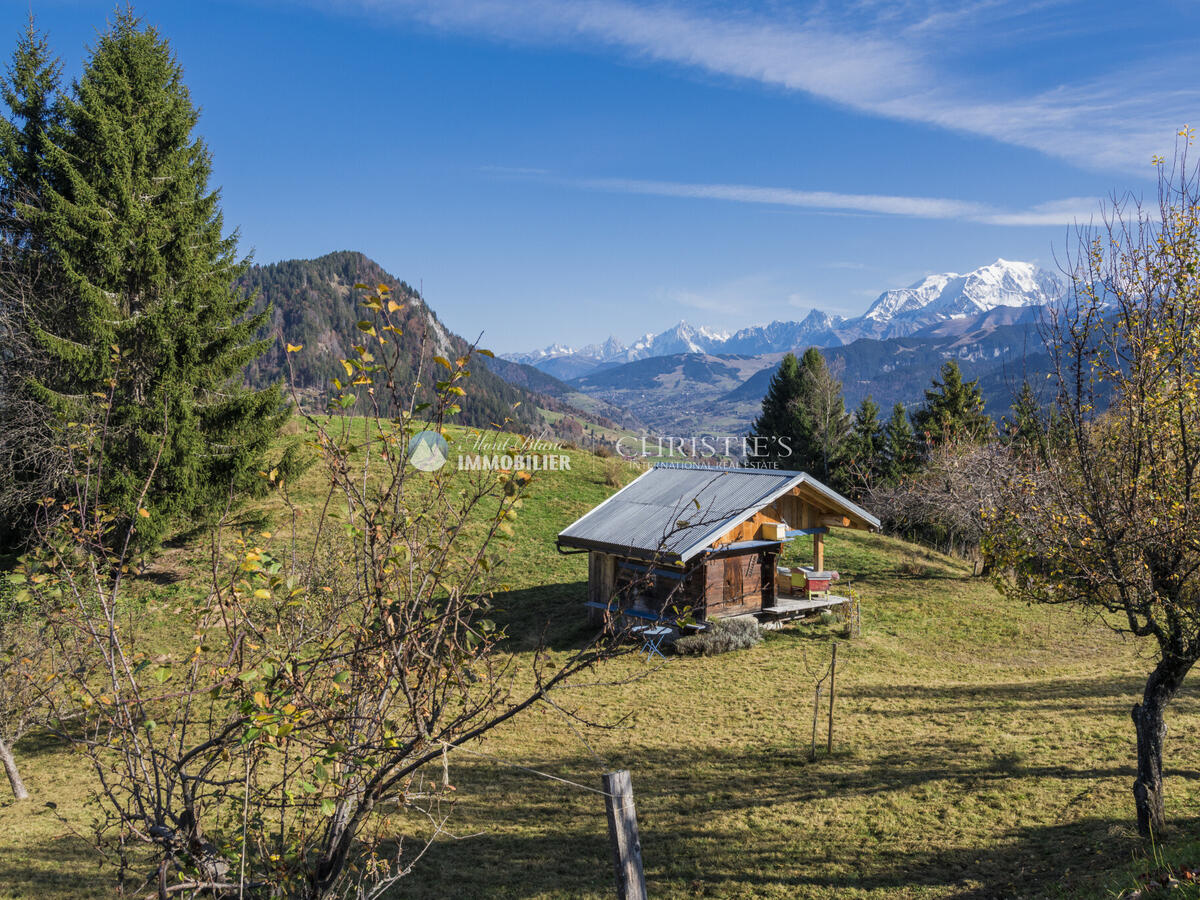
314 304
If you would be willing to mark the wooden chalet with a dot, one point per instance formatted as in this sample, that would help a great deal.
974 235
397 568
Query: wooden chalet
706 540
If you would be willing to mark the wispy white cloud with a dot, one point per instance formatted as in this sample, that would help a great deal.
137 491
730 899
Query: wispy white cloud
745 293
1059 212
1071 211
882 59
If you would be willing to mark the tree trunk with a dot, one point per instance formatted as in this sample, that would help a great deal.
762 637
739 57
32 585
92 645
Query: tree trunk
10 769
1148 722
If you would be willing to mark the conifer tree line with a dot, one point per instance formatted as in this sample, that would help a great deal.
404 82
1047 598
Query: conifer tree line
118 307
804 424
914 468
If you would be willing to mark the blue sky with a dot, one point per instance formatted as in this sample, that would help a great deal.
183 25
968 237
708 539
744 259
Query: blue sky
562 171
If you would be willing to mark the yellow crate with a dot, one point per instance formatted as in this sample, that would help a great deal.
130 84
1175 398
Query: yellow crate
774 531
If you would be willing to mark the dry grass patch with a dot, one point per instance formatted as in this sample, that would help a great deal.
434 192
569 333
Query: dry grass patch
982 749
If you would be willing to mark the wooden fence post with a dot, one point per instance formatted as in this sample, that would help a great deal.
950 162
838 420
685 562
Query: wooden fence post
816 708
623 832
832 675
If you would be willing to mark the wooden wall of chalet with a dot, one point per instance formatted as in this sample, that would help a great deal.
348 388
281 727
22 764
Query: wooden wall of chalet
735 586
802 508
607 585
748 530
601 576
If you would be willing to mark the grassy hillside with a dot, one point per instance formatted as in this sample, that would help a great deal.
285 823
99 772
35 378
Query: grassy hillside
982 749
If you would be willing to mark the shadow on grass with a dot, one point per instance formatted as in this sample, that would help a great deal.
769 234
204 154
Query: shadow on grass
161 577
64 867
1103 696
1098 698
552 614
763 821
702 828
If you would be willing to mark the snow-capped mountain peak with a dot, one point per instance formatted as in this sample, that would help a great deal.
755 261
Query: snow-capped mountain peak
895 313
950 295
554 350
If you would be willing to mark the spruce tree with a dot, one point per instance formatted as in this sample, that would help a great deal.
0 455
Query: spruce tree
773 434
30 93
129 222
864 450
29 463
1026 427
899 446
953 409
822 421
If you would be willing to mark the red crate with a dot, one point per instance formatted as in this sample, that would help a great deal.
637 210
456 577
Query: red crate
819 581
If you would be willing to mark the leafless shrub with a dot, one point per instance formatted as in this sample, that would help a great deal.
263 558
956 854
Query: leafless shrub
615 472
943 503
284 751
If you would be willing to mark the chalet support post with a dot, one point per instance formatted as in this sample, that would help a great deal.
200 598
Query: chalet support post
819 552
832 676
623 833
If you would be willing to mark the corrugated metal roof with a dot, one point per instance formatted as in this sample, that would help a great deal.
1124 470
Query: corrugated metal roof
676 511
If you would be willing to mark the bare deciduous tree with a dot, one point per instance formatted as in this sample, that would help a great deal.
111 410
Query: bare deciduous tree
22 659
279 743
944 502
1105 516
32 462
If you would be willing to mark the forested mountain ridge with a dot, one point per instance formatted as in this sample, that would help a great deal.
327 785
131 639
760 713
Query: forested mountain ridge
314 304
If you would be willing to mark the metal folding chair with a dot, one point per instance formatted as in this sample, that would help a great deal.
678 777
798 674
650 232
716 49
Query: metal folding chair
652 637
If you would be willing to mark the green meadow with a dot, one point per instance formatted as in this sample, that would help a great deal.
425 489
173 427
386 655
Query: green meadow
981 748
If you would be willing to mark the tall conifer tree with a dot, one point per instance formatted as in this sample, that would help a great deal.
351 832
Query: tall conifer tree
864 450
823 423
131 226
899 446
953 409
29 462
30 92
774 431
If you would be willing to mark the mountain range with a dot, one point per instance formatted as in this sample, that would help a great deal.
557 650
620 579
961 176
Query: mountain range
685 380
899 312
701 393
